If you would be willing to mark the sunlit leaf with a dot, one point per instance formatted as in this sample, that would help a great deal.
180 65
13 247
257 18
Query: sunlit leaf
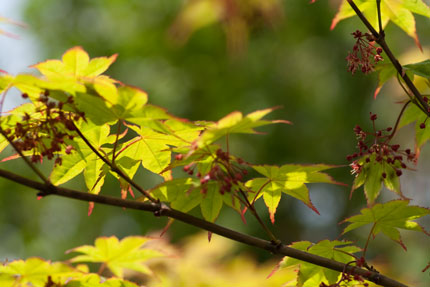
289 179
35 271
235 123
397 11
388 218
118 255
312 275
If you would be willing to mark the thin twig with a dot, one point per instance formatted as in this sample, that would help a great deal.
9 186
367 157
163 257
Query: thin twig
255 213
115 145
378 7
398 120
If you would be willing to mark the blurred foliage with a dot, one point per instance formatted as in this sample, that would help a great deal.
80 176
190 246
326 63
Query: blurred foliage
256 55
218 266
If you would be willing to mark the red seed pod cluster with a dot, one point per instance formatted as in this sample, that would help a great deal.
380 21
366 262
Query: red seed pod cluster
364 54
45 133
377 143
226 170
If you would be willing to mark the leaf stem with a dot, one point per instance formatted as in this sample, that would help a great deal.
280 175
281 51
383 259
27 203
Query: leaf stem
398 121
255 213
115 145
368 240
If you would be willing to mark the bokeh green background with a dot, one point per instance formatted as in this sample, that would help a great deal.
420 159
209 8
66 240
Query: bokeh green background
294 61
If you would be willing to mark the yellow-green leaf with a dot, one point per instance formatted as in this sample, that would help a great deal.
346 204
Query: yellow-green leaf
76 60
289 179
235 123
388 218
397 11
211 203
312 275
118 255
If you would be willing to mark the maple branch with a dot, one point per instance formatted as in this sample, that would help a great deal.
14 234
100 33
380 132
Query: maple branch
380 39
161 209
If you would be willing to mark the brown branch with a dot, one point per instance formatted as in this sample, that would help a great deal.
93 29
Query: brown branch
380 39
160 209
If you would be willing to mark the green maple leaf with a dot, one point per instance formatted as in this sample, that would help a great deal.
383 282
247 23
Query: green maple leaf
388 218
312 275
289 179
182 193
421 68
76 67
415 114
235 122
83 159
371 177
397 11
118 255
34 272
94 280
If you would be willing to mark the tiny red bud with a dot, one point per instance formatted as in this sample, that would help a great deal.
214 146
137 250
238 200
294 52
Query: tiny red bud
179 156
384 175
422 126
24 95
373 117
395 147
398 172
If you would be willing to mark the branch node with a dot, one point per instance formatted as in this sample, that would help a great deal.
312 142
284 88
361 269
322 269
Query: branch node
276 245
162 208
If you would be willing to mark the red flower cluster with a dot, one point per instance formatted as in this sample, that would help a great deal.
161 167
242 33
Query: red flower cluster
380 147
225 169
46 132
364 54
